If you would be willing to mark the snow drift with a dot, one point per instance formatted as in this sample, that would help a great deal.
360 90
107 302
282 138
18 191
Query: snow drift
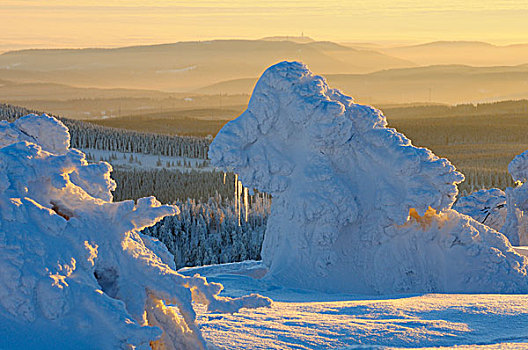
74 271
356 207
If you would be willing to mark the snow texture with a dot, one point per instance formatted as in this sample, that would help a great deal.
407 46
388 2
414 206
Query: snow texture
304 319
75 273
356 207
518 167
506 212
44 131
486 206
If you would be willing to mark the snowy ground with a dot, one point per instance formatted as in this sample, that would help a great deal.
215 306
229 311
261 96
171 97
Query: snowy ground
147 161
309 320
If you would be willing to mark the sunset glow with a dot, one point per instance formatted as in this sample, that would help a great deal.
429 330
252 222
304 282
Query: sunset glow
59 23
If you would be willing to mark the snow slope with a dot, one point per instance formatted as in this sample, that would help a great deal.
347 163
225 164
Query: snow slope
75 273
356 207
304 319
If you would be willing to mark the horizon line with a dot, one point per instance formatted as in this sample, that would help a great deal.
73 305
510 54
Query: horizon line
381 43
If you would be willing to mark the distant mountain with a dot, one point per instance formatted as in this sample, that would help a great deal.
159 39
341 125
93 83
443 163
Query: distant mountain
232 86
92 103
451 44
473 53
22 91
184 66
440 84
295 39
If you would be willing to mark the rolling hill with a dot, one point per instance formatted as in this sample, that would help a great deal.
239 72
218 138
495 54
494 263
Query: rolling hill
184 66
474 53
450 84
20 91
94 103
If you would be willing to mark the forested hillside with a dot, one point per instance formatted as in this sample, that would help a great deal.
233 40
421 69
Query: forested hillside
480 140
86 135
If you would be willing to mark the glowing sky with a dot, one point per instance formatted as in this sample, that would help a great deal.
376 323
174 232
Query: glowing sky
81 23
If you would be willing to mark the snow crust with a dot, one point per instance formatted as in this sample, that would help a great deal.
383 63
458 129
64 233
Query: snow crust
75 273
356 207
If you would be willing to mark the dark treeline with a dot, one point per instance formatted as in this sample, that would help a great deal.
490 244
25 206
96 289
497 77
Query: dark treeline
169 186
12 113
212 226
85 135
468 109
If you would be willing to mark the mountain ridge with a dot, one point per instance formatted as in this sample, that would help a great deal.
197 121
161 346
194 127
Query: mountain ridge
449 84
183 66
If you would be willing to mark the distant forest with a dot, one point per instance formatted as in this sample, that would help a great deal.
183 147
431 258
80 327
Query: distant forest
480 140
86 135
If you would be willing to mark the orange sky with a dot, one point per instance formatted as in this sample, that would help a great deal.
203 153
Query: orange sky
82 23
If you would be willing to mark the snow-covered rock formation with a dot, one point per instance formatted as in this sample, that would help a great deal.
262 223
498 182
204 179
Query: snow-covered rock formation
74 271
356 207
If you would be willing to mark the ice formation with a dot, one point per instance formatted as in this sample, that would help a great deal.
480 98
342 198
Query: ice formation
75 273
356 207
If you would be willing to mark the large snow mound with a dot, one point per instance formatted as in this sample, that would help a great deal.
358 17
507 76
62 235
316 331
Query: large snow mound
356 207
75 273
